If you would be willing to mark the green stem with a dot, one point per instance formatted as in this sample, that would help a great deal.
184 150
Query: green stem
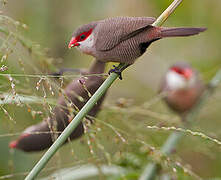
163 17
151 169
70 128
87 107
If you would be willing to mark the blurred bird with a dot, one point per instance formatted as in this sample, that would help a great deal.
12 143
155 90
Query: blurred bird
182 87
122 39
39 137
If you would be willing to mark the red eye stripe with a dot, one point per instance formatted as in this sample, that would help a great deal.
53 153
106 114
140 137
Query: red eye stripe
187 72
177 70
83 36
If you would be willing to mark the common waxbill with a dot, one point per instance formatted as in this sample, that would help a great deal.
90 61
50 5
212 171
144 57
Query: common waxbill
182 87
31 140
122 39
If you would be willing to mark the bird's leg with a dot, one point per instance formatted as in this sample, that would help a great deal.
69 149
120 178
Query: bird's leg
118 70
183 117
63 70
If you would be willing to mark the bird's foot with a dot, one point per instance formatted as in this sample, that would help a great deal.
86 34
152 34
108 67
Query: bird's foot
117 71
63 70
56 74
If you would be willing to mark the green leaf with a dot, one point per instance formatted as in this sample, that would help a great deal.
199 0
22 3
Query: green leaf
85 172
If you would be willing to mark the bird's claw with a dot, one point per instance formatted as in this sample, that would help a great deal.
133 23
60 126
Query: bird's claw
63 70
56 74
117 71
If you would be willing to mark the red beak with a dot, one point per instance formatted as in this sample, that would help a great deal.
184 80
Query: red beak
73 43
187 73
13 144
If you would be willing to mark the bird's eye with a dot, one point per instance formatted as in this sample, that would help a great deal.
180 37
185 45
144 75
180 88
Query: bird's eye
82 37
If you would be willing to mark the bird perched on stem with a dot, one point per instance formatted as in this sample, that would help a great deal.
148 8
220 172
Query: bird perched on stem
77 93
122 39
182 87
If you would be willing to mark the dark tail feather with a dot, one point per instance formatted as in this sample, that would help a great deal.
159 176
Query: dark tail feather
173 32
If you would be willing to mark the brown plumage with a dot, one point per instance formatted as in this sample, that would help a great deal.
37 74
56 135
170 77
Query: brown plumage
60 117
122 39
182 87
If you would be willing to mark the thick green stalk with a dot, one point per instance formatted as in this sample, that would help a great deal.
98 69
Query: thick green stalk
70 128
163 17
151 169
89 105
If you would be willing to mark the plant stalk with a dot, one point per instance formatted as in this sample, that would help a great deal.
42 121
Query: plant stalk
163 17
70 128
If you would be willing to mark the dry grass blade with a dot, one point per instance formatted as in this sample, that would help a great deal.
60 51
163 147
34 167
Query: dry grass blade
188 131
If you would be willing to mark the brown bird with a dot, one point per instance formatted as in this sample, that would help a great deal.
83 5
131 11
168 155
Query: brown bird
31 140
122 39
182 87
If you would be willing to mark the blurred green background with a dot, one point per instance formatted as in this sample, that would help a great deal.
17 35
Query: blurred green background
50 25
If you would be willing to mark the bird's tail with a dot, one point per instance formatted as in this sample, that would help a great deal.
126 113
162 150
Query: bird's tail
176 32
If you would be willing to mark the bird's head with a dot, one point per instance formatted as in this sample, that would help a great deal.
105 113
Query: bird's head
83 37
180 76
